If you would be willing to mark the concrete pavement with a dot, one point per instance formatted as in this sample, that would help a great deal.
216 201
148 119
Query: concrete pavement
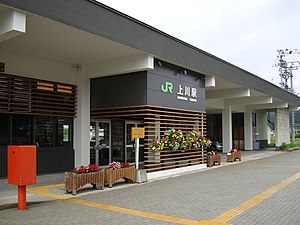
262 189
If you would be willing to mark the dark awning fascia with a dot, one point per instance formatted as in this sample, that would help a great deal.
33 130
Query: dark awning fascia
96 18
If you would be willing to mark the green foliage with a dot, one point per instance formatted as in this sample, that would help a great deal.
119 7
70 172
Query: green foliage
271 145
292 146
273 142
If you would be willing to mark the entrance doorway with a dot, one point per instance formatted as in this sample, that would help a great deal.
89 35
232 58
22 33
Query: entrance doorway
100 142
110 140
130 143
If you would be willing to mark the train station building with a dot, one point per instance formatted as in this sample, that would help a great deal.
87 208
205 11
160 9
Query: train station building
76 76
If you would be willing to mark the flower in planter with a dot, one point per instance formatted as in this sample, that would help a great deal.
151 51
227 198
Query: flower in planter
212 153
192 139
193 135
192 144
170 132
114 165
125 165
184 145
174 145
204 142
157 145
86 169
178 135
234 150
93 168
173 139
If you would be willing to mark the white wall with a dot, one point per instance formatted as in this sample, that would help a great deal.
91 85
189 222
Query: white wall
36 67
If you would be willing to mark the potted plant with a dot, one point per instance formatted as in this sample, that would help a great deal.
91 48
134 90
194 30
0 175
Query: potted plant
233 155
117 171
85 174
212 158
173 138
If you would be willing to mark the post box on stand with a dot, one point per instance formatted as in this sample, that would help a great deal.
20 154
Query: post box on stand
21 170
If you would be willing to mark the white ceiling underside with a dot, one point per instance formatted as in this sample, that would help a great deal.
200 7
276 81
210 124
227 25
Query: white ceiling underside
49 39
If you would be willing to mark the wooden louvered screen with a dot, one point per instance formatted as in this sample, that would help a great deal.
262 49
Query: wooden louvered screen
156 121
36 97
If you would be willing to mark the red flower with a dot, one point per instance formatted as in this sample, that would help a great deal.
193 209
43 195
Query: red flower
94 168
86 169
124 165
234 150
212 153
81 169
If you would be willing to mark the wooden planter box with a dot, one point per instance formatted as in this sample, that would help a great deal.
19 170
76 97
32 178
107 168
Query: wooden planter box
111 176
233 156
212 159
74 181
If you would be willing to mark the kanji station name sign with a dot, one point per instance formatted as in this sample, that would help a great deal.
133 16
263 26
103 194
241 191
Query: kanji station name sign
182 92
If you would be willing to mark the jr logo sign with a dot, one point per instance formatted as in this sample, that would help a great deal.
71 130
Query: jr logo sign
185 93
167 88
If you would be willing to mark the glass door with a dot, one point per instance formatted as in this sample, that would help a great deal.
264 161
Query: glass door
100 136
130 143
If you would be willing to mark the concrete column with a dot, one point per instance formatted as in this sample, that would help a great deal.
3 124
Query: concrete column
227 128
262 127
248 130
82 121
282 127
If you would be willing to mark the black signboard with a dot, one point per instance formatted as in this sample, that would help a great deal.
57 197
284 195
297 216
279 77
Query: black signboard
163 86
175 89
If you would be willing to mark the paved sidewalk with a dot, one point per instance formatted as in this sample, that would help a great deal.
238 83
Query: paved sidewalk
213 194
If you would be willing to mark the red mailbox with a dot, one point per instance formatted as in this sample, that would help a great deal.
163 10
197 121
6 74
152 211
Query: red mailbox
21 165
21 170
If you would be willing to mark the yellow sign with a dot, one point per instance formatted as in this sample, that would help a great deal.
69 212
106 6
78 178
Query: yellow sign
137 132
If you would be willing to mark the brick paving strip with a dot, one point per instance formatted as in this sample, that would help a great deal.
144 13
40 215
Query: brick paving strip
219 220
43 191
229 215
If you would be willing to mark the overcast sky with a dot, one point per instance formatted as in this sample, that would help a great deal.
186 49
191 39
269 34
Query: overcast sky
246 33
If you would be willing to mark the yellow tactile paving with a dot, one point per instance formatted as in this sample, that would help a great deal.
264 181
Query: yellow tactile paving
220 220
43 190
270 165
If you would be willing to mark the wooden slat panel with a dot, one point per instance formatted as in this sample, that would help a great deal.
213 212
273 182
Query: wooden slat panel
36 97
157 120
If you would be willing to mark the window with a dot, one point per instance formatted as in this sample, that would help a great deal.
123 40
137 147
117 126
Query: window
66 137
63 134
21 130
53 131
44 131
5 130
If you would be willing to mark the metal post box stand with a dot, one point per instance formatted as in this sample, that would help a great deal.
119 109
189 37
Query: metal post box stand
21 170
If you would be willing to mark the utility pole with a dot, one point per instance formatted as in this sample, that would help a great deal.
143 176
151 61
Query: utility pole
286 68
286 72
